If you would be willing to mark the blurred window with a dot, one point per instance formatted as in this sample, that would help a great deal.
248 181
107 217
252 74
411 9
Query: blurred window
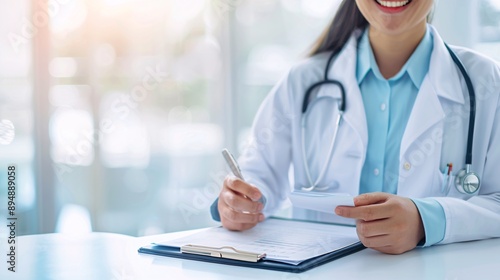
16 115
489 29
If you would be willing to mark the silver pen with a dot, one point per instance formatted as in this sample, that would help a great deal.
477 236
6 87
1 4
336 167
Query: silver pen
235 168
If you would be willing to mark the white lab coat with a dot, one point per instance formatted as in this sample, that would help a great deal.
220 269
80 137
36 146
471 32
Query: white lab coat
436 134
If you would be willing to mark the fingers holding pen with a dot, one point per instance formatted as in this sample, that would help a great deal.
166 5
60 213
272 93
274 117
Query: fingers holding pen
238 202
240 217
238 205
240 186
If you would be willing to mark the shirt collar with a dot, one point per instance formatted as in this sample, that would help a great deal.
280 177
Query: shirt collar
417 65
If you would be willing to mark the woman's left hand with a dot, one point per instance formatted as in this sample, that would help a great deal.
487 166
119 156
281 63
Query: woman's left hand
385 222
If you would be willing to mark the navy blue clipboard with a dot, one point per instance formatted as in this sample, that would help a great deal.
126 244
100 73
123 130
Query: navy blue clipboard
174 252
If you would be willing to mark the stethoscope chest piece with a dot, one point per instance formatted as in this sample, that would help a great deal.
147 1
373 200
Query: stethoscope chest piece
467 182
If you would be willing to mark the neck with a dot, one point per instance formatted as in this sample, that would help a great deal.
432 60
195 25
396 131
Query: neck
392 51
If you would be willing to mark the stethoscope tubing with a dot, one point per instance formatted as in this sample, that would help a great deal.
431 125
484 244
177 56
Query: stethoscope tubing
472 101
313 185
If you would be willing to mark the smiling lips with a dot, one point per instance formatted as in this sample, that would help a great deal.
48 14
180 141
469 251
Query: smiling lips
393 4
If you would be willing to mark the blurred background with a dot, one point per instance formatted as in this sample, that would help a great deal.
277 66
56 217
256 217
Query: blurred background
115 111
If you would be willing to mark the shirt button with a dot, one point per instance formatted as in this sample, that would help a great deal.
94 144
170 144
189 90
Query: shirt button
376 171
383 106
407 166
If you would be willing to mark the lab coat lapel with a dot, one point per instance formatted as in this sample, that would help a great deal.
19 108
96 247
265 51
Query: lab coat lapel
440 86
426 112
344 70
443 73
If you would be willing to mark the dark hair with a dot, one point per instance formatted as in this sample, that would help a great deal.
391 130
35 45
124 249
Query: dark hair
347 19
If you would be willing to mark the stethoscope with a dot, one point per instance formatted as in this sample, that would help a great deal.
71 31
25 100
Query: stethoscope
466 181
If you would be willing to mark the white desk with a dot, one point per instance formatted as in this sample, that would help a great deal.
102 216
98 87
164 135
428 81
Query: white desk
112 256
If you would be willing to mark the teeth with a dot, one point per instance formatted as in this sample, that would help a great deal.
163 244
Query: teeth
393 4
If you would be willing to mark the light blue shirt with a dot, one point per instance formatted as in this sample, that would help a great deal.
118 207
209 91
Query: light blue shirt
388 104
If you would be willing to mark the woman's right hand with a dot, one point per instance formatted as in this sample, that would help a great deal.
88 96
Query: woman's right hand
238 206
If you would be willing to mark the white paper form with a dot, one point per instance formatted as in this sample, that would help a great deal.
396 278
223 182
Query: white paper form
282 240
323 202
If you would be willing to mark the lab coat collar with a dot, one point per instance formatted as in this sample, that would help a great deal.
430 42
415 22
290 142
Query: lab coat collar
365 57
426 112
443 73
343 69
442 84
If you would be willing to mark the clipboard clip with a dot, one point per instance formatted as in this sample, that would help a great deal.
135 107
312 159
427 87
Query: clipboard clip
225 252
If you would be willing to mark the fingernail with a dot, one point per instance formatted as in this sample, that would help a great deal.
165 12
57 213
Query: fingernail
261 218
338 211
261 206
255 196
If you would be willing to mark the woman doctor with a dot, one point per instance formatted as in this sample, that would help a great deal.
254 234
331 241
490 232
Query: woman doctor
406 118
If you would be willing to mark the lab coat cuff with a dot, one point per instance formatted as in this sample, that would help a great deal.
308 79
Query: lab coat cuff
214 210
433 219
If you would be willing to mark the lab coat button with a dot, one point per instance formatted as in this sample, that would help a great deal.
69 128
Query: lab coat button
407 166
382 107
376 171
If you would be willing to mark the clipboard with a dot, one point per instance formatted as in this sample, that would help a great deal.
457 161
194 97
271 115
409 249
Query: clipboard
175 252
225 252
232 256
